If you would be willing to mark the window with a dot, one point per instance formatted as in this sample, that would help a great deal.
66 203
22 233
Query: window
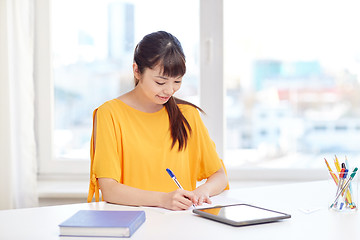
291 67
277 76
91 45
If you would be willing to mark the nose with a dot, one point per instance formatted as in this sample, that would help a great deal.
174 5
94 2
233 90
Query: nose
169 89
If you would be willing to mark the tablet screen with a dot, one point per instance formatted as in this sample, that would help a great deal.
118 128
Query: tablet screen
241 214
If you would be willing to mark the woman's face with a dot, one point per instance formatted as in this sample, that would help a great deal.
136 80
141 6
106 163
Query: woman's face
156 87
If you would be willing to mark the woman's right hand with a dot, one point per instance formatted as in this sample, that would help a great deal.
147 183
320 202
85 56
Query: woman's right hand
178 200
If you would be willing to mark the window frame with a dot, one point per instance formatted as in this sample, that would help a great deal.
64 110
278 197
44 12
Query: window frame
212 90
44 85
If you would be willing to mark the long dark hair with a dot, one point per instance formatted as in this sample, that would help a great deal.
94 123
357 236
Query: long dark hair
162 48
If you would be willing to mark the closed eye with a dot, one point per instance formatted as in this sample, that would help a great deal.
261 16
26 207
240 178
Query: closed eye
159 83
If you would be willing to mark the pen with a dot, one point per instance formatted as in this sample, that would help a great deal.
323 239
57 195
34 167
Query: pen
172 175
341 180
348 167
337 164
333 175
347 192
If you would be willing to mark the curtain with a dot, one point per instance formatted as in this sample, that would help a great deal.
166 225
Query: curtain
18 169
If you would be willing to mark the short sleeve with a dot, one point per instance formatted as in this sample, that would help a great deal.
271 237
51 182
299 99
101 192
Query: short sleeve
209 160
203 153
107 151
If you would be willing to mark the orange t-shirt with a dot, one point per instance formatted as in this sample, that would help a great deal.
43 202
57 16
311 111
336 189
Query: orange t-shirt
134 148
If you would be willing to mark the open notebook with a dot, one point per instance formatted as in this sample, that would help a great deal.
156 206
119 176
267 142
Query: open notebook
216 201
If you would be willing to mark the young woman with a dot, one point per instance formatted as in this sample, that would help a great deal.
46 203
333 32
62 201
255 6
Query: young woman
140 134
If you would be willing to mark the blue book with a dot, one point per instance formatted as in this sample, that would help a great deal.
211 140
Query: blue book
97 223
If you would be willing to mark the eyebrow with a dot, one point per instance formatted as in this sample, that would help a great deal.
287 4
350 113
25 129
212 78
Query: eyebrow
162 77
166 78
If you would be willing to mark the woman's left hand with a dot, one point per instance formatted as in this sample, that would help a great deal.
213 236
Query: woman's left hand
202 196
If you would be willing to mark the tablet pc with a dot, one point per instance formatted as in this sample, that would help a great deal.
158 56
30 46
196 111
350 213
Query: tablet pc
241 214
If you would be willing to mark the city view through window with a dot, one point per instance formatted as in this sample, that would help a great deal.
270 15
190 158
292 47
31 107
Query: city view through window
292 79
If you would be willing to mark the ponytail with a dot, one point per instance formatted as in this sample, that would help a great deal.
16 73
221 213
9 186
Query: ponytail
180 128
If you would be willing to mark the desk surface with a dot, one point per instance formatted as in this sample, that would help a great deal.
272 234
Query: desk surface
306 202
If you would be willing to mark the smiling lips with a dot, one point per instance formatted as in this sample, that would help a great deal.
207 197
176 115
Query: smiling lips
165 99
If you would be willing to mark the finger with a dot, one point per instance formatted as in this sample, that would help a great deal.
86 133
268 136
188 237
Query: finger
177 204
207 200
201 200
191 196
196 200
182 200
186 201
188 198
180 205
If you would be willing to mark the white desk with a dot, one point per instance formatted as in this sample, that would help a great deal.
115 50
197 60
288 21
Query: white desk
42 223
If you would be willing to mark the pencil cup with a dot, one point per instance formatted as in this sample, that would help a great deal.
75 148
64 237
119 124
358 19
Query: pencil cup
343 195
